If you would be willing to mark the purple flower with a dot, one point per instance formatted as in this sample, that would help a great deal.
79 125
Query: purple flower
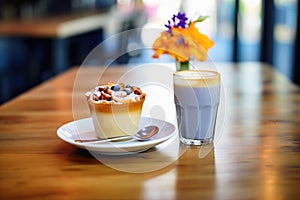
177 21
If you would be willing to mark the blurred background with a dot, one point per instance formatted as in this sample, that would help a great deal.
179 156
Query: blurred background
41 38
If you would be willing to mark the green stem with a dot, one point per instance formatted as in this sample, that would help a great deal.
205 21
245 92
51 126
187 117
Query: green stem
183 66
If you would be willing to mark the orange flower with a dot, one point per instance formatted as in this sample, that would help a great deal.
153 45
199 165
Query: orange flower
182 44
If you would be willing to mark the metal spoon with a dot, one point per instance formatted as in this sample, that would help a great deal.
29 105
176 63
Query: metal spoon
142 135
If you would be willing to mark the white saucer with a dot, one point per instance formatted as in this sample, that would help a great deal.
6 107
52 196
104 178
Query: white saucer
84 129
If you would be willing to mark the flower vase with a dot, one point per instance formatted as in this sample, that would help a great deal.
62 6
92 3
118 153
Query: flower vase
180 66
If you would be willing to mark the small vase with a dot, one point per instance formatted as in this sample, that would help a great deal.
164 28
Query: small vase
180 66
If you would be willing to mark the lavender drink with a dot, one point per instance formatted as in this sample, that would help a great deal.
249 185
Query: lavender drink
197 96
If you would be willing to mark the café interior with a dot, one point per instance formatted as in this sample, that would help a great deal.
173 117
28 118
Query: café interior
243 31
54 52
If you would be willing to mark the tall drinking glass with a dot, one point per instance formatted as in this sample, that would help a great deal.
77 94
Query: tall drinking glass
197 97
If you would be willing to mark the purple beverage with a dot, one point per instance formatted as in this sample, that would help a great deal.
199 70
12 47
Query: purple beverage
197 97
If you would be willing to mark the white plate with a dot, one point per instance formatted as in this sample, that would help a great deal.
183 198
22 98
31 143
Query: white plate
84 129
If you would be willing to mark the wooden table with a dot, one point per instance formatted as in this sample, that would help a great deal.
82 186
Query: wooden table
257 156
61 26
58 29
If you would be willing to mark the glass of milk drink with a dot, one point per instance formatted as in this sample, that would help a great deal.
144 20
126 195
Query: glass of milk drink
197 97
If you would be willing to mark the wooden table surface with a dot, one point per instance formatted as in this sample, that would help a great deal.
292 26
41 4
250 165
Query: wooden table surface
256 156
56 26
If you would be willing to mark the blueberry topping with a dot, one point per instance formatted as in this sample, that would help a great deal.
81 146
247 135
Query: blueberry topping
128 86
115 87
127 90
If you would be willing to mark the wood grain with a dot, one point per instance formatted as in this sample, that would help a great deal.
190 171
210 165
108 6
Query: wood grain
256 157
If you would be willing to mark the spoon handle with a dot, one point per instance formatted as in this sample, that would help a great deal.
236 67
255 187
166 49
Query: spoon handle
106 140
